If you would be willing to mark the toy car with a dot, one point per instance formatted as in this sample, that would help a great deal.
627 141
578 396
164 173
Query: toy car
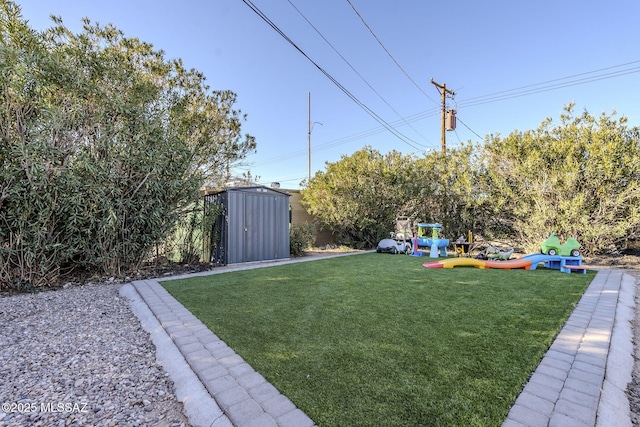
552 246
393 246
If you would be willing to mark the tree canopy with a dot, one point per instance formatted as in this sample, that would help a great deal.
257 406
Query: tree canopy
103 144
360 195
579 177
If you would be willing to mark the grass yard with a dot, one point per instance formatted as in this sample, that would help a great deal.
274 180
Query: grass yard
378 340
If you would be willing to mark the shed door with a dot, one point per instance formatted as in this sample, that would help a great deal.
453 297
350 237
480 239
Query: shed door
260 242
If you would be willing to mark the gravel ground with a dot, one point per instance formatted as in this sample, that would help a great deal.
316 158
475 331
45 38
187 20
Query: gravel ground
633 389
78 356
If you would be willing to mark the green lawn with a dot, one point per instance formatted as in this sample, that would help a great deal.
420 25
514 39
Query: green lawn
379 340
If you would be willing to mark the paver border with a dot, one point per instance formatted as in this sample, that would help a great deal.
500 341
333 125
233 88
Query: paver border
574 383
577 383
242 394
198 405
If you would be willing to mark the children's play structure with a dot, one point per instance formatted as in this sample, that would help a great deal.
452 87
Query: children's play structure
402 242
528 262
564 257
553 254
552 246
462 246
436 245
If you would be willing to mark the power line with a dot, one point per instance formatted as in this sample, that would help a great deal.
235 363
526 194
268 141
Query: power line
346 139
551 85
389 53
507 94
465 125
555 80
280 180
479 100
356 71
546 86
492 97
368 110
546 89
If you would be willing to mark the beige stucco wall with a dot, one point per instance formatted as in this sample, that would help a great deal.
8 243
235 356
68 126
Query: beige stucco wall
299 215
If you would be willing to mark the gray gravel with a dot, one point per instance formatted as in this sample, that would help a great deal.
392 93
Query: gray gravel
633 388
78 356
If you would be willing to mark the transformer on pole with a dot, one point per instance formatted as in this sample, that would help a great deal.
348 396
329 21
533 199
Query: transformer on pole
442 88
451 120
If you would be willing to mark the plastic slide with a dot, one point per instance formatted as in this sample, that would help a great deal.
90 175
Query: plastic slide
456 262
528 262
540 258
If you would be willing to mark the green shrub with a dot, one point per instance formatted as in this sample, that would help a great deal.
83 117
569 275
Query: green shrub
103 146
301 237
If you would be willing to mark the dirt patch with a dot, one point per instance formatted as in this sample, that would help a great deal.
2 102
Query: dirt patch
631 262
329 250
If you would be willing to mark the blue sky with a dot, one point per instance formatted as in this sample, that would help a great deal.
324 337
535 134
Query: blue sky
511 64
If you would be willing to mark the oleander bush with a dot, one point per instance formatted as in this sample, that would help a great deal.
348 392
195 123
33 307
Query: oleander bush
576 177
104 145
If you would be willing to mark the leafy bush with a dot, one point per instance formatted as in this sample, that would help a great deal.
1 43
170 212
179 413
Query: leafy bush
301 237
189 243
576 178
359 197
103 146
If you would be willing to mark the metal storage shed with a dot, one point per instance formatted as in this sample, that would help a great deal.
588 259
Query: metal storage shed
252 226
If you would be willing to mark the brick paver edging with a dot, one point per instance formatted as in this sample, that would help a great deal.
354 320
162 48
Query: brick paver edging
245 396
564 391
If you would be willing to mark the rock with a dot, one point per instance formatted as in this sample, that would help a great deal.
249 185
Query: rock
85 348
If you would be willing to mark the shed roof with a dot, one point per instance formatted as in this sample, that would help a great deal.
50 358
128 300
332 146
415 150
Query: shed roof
248 188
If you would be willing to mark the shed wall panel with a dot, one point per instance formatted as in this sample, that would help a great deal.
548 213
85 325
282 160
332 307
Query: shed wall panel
282 223
235 225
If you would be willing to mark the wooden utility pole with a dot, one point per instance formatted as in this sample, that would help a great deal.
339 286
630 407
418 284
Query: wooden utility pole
442 88
309 142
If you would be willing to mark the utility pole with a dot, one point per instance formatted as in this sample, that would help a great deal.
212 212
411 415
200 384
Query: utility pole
310 128
309 144
442 88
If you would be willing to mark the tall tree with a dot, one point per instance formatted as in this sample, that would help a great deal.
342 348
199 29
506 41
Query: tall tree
360 196
448 190
104 143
